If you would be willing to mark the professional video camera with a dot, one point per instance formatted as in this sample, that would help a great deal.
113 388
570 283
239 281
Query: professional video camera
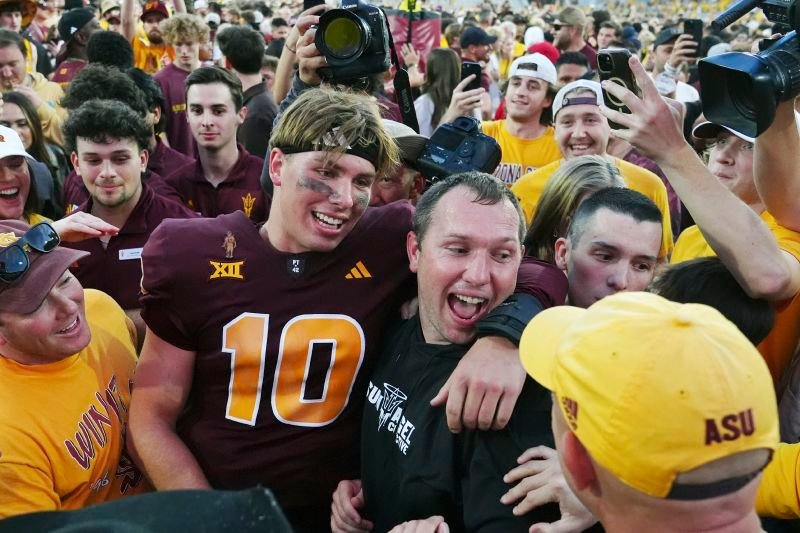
458 147
354 40
742 90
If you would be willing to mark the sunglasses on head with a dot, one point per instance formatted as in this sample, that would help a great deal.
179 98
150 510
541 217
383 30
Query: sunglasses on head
14 260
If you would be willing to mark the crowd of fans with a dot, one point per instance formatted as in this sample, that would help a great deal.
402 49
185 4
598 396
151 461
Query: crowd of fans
220 269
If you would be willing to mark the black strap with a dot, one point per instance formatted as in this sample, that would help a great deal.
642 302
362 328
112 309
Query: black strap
402 87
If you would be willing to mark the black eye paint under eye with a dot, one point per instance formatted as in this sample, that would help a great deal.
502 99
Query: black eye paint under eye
316 185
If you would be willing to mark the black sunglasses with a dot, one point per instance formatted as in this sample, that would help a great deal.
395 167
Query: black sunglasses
557 26
14 260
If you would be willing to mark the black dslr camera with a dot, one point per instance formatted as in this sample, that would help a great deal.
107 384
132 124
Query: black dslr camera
354 40
458 147
742 90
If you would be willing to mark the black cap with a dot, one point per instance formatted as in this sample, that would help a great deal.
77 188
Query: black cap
666 35
475 35
72 21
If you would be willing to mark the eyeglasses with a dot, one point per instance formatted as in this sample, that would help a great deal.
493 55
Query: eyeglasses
14 260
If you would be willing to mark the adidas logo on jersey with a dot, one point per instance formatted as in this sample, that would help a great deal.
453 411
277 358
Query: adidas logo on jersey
358 272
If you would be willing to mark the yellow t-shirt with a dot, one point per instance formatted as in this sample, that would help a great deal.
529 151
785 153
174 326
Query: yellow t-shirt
63 423
779 346
779 492
150 57
529 189
35 218
521 156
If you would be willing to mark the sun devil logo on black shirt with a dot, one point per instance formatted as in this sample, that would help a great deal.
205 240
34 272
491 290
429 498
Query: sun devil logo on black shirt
389 403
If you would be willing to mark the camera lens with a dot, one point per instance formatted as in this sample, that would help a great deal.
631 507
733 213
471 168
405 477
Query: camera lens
605 63
343 37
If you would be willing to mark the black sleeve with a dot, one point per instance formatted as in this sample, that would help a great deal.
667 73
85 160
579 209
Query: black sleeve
44 64
489 455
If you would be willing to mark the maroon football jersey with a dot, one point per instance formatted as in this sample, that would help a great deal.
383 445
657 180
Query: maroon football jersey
172 81
116 268
240 191
284 343
67 70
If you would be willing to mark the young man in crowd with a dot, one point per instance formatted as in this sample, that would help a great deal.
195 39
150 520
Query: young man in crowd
571 66
405 182
58 341
670 49
15 16
476 46
525 135
43 93
569 28
75 27
700 465
732 220
185 34
108 144
150 52
243 53
98 82
412 467
319 243
226 177
608 33
581 129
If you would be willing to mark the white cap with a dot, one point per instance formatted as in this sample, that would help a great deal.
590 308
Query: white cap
709 130
534 66
559 102
200 4
533 35
10 144
213 18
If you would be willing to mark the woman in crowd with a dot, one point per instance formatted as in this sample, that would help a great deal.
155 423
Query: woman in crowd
442 74
20 115
567 188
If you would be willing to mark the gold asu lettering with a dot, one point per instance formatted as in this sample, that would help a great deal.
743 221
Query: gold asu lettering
177 108
231 270
730 427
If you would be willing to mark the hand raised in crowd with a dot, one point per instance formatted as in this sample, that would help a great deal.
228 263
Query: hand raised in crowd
434 524
539 480
305 20
684 51
80 226
309 58
483 389
463 102
411 61
654 125
348 499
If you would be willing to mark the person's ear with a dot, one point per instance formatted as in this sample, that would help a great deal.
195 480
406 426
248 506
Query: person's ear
561 253
277 163
578 463
412 249
417 187
73 157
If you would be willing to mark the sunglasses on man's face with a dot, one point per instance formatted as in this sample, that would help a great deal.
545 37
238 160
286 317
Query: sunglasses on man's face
14 260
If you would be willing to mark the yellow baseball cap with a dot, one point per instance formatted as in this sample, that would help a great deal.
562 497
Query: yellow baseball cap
654 388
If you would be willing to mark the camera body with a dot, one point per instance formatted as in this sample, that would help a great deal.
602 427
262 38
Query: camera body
354 40
742 90
458 147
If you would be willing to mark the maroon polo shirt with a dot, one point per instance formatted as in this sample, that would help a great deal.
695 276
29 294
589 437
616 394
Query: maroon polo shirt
67 70
116 269
172 81
75 193
240 191
165 160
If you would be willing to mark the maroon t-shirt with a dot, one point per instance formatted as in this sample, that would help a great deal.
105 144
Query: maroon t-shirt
66 70
241 190
75 193
591 55
173 84
283 342
116 269
165 160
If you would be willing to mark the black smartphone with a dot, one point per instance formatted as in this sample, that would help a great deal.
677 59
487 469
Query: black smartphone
694 27
467 68
308 4
612 64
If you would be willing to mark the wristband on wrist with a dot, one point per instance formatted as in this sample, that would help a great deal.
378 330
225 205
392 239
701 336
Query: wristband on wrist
508 320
